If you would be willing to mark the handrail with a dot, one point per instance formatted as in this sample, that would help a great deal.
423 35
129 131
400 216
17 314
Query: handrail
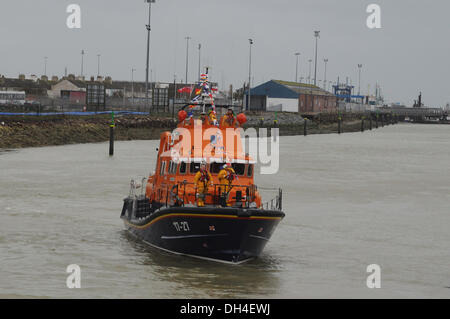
247 198
275 203
178 196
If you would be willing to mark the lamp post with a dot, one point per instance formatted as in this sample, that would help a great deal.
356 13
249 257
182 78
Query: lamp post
199 55
98 65
316 35
296 67
309 76
249 73
325 75
45 65
187 57
132 86
82 62
359 79
148 28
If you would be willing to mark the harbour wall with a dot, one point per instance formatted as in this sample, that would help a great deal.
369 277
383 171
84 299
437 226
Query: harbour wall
34 131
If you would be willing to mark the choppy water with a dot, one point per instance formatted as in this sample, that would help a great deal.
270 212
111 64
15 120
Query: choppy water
380 197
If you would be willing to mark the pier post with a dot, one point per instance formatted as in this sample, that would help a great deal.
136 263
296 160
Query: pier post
111 135
305 126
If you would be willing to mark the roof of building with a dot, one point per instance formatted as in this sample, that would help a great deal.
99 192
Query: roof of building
287 89
25 84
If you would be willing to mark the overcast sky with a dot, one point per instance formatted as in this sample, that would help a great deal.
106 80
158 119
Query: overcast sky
408 54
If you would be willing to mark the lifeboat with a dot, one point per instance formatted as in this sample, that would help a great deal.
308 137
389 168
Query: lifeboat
232 225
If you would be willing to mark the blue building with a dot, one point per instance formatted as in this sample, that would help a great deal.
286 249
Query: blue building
285 96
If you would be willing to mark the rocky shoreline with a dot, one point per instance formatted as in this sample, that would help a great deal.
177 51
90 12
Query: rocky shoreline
35 131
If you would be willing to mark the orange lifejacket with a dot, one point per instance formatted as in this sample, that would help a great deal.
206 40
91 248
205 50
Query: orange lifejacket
202 177
228 121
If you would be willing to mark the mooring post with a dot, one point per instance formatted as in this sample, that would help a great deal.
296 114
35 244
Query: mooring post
305 126
339 125
111 135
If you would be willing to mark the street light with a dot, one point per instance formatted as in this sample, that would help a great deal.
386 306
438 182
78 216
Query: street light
316 35
325 76
45 65
309 76
98 65
82 62
148 28
359 79
132 86
187 57
249 72
296 67
199 55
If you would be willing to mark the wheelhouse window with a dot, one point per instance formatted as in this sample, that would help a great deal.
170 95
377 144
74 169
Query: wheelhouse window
183 168
173 168
215 168
194 168
239 168
163 168
250 170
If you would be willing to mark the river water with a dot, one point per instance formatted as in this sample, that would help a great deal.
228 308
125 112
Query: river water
351 200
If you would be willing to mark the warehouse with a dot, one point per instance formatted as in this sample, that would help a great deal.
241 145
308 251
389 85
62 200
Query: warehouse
284 96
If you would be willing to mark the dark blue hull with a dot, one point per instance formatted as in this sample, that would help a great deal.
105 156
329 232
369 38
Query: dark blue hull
222 234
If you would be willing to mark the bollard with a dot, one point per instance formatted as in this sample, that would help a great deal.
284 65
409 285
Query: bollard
111 135
305 127
362 124
382 120
370 123
376 121
339 125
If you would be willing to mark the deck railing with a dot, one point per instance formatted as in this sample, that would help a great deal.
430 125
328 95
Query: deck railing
179 195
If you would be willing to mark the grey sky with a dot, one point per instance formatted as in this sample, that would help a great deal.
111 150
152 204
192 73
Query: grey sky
410 52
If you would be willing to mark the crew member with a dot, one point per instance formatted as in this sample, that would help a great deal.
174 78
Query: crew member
226 177
204 118
202 179
212 118
228 120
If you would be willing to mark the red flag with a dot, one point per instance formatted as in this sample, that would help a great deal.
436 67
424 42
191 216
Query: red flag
186 89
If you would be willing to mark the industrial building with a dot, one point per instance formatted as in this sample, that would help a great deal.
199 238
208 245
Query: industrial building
284 96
